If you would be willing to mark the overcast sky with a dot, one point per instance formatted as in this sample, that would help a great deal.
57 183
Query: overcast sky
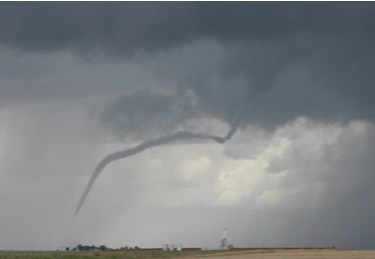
79 81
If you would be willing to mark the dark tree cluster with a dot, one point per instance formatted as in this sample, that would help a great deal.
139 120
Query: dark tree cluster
89 248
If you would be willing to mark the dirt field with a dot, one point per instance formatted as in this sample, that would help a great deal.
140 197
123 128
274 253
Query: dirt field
293 253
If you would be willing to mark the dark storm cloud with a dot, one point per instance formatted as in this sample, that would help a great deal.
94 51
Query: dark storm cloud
321 78
112 28
296 59
127 27
248 63
284 60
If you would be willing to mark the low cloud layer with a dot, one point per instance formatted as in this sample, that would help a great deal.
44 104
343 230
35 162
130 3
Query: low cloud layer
128 27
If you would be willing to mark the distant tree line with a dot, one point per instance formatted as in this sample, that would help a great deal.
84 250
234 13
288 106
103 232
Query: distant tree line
90 248
97 248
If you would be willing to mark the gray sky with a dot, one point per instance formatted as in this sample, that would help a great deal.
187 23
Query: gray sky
79 81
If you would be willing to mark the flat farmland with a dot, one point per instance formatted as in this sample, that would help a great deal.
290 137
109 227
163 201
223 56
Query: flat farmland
271 253
292 253
110 254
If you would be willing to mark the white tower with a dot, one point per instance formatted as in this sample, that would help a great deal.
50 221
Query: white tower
223 244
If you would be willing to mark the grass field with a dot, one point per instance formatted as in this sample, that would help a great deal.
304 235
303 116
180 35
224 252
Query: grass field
271 253
124 254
